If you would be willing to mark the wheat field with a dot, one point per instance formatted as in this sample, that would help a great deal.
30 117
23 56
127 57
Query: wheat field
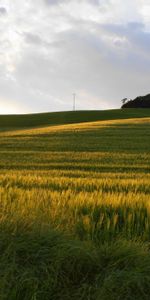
75 211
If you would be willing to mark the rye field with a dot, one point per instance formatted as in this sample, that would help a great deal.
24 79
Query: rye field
75 206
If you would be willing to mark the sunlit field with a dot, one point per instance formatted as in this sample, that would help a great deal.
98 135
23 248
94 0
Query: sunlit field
75 211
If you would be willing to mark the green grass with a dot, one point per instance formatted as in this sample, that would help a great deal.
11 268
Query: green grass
75 210
60 118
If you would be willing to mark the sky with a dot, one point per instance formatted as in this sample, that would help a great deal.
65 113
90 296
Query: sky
50 49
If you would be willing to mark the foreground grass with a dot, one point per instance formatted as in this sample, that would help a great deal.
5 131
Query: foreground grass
47 265
75 212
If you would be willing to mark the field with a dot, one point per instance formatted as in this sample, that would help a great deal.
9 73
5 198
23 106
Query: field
75 206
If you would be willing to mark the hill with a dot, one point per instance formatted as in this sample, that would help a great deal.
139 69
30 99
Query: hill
138 102
61 118
75 212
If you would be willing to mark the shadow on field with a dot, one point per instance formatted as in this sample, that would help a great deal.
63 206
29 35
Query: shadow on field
99 169
46 265
119 138
68 117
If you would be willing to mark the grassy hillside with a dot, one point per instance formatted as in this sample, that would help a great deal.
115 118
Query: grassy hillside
60 118
75 212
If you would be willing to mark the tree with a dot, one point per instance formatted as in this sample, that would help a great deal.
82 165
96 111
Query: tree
124 100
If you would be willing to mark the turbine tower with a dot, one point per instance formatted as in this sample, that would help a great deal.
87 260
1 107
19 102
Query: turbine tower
74 101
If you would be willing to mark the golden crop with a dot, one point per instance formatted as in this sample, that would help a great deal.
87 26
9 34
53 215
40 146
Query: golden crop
90 179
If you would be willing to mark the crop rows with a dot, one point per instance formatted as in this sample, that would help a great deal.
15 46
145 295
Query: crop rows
75 212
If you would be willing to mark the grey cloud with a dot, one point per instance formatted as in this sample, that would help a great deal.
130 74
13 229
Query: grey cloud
96 2
135 26
3 10
92 2
31 38
36 40
126 29
134 32
53 2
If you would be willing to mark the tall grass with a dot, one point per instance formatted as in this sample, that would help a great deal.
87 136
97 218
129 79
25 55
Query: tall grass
75 211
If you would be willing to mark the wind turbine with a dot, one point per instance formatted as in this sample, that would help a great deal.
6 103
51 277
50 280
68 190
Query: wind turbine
74 101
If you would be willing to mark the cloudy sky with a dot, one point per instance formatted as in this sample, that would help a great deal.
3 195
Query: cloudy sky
49 49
